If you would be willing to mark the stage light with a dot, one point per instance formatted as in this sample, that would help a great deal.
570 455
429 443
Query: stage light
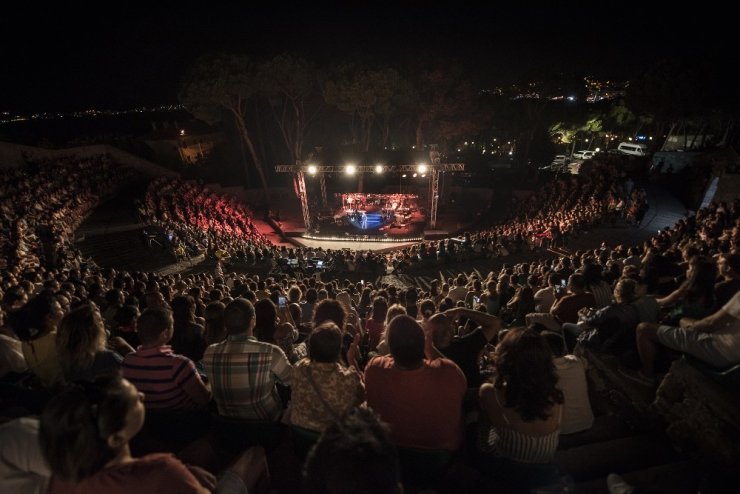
415 175
378 168
350 170
424 176
422 168
403 176
312 169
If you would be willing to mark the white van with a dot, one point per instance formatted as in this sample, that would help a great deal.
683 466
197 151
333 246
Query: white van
632 149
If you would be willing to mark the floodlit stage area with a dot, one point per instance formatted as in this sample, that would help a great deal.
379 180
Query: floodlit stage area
350 244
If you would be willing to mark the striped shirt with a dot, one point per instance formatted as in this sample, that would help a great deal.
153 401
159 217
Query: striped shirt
602 292
163 376
515 445
243 373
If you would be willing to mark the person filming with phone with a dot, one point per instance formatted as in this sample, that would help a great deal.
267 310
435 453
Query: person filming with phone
569 299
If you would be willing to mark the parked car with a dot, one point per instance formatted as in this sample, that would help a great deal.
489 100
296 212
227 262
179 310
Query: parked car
560 159
584 154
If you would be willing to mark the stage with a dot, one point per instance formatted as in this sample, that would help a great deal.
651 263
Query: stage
370 217
354 245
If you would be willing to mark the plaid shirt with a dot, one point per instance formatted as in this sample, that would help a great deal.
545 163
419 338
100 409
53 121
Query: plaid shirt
243 372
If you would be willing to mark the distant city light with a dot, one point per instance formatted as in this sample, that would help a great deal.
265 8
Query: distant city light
312 169
350 169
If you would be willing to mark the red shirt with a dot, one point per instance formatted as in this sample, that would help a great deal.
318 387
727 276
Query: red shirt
151 474
374 333
422 406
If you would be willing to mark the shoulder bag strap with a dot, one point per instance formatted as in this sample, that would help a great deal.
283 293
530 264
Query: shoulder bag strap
318 393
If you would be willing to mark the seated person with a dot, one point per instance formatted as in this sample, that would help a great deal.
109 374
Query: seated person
464 351
323 388
715 340
522 410
23 468
401 385
35 324
171 380
615 323
577 413
354 454
243 371
567 303
81 343
85 434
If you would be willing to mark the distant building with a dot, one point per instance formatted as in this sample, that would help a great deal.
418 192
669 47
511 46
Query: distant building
188 143
604 89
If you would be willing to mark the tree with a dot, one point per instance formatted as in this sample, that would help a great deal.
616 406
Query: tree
291 87
445 104
364 94
221 85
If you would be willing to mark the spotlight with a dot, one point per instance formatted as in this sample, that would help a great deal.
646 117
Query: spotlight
415 175
403 176
378 168
422 168
350 170
312 169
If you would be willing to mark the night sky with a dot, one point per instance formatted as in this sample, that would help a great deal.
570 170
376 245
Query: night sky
118 55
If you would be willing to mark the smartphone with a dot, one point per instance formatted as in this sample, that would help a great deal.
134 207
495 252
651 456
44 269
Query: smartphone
282 302
362 282
563 283
476 299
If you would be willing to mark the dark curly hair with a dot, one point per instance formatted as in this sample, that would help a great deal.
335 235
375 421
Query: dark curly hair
524 369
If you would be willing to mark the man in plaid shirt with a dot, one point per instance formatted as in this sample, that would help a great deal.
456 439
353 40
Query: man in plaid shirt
243 371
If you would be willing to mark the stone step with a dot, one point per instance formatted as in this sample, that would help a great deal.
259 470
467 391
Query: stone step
605 428
682 477
597 460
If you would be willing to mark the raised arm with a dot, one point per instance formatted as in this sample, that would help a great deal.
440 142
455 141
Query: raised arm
490 325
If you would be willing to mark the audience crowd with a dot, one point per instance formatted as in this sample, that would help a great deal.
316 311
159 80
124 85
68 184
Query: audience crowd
149 381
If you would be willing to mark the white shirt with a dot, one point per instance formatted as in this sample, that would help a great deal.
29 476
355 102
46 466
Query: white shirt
577 414
458 293
544 299
23 469
728 337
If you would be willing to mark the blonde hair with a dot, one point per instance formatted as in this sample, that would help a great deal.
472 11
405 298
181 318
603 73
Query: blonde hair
80 336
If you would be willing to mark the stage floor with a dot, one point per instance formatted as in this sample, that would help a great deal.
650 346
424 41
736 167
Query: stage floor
350 244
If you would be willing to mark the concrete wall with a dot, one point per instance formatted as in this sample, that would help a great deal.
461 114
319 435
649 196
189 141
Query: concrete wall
728 187
12 155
